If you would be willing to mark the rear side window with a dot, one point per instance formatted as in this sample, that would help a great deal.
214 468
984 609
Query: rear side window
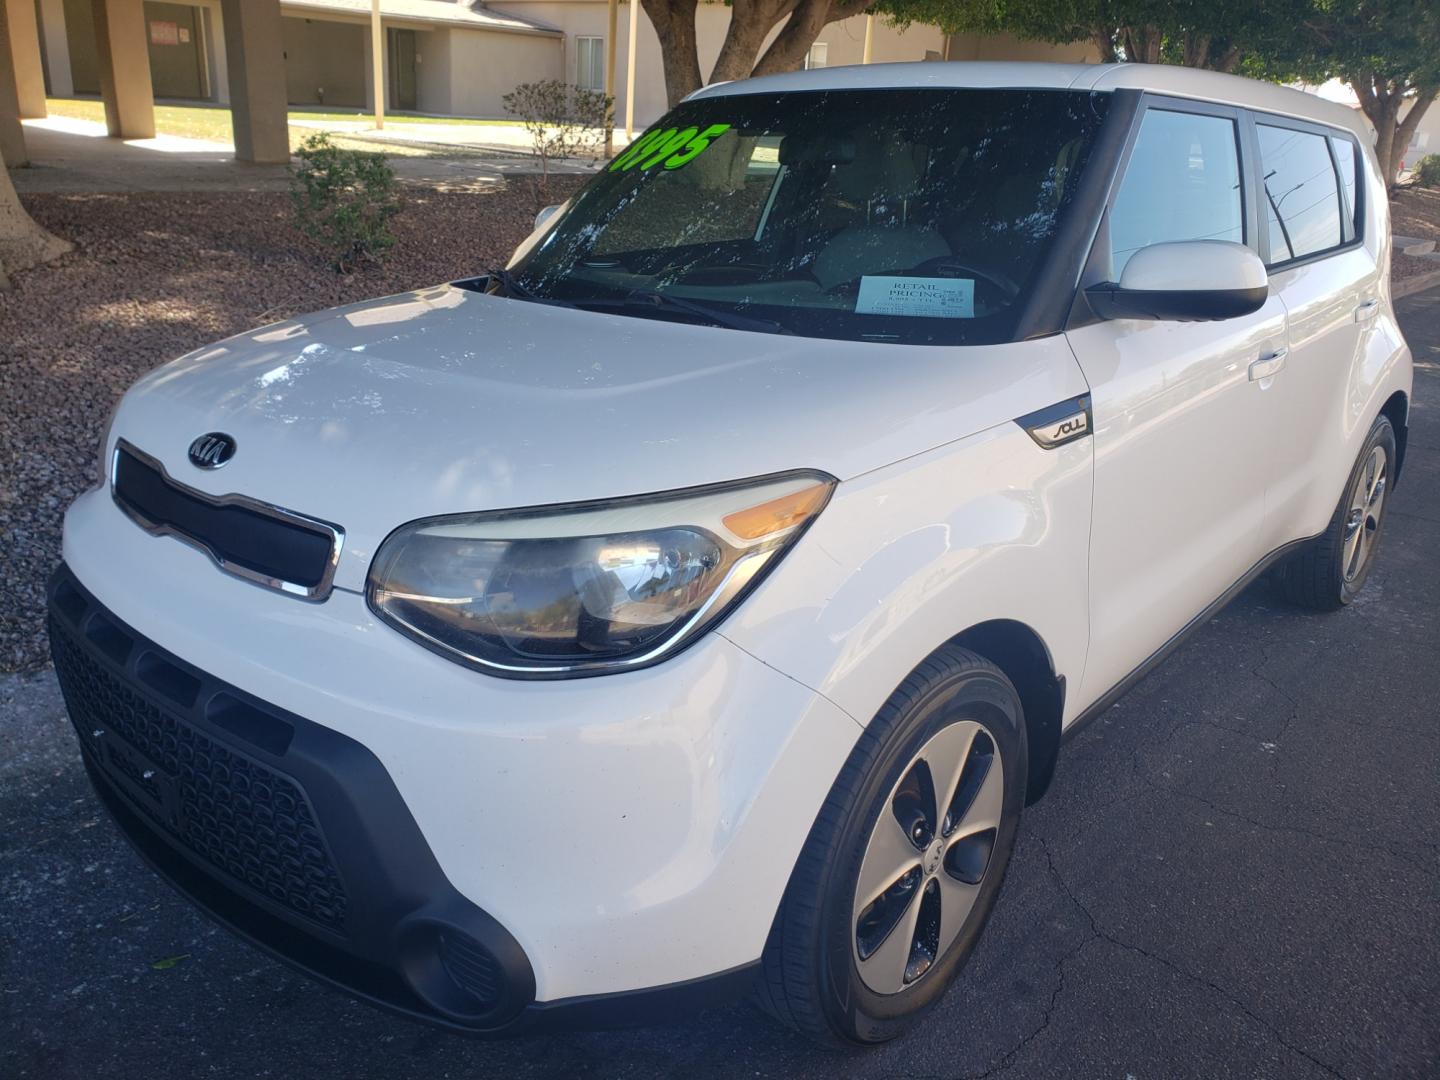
1182 183
1302 199
1345 152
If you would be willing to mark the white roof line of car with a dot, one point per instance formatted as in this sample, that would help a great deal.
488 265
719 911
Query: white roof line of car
1168 79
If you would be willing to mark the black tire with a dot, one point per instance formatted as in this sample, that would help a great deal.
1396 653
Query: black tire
1315 577
810 978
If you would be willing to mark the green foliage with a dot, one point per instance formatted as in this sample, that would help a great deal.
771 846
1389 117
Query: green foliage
563 121
1282 39
1427 171
345 200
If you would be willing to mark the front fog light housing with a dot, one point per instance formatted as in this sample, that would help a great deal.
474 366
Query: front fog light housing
590 588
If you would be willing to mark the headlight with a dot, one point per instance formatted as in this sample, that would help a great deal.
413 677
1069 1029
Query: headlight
590 588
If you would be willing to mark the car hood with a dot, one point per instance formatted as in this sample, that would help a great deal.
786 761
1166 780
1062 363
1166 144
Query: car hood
447 400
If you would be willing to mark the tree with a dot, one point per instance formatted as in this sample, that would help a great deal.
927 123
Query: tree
751 23
563 121
1216 34
1387 50
1389 53
23 243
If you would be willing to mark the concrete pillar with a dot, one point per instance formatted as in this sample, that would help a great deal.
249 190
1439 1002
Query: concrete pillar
123 51
25 55
57 47
255 57
219 71
12 135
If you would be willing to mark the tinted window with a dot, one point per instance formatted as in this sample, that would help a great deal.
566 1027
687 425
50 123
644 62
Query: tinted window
1301 197
1182 183
1345 152
919 216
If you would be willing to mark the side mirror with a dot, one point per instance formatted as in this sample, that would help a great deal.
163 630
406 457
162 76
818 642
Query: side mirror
546 214
1185 281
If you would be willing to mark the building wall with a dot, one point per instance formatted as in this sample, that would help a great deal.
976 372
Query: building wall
1426 139
325 62
80 40
432 71
1009 47
483 66
844 43
466 72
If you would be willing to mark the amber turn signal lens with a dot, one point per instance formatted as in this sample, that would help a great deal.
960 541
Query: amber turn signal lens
777 515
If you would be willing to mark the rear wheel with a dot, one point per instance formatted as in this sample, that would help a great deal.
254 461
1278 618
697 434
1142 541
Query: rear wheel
905 861
1329 571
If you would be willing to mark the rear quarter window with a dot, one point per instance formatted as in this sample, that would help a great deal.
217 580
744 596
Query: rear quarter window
1347 159
1302 195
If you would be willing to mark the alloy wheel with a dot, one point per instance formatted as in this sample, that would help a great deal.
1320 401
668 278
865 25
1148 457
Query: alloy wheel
927 857
1362 522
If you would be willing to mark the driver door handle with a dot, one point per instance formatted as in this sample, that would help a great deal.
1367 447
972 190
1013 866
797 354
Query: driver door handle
1367 311
1268 364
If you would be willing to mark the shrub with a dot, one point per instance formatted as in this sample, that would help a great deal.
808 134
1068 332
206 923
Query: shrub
563 121
345 200
1427 171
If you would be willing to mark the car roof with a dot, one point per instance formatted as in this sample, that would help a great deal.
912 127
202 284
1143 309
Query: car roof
1171 79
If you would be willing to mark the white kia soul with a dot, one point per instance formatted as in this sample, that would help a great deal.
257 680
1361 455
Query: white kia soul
693 606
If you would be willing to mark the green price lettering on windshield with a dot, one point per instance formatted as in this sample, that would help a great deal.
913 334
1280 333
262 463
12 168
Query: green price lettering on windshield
674 146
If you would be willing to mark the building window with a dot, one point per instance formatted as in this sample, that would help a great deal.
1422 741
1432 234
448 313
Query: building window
590 63
818 56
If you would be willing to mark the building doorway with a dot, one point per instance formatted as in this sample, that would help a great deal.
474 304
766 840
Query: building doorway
404 93
177 63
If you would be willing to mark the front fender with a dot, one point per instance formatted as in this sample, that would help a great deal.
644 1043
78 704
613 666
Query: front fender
906 557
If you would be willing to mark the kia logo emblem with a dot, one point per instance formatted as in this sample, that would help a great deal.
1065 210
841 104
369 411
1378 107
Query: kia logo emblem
212 450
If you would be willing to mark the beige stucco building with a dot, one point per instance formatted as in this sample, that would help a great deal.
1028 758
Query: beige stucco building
455 57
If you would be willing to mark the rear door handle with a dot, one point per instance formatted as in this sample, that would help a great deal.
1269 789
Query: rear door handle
1367 311
1268 365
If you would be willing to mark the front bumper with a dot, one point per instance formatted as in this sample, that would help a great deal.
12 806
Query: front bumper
290 834
608 846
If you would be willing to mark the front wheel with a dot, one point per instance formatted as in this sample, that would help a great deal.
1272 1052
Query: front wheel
1329 571
905 861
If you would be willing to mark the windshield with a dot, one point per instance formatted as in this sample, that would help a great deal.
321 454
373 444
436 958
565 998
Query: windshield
918 216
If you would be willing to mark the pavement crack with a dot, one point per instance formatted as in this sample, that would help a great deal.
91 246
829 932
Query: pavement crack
1008 1059
1293 830
1098 932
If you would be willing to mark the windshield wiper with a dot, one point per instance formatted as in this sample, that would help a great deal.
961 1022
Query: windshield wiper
714 316
511 287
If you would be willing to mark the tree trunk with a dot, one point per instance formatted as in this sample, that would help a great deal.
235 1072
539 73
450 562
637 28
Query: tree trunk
1195 49
1104 39
1424 98
750 23
674 22
1227 60
1142 44
23 244
789 49
1381 100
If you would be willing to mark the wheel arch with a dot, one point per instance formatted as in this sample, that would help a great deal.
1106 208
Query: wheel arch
1018 651
1397 410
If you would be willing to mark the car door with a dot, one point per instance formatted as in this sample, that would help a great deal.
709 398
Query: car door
1312 241
1178 422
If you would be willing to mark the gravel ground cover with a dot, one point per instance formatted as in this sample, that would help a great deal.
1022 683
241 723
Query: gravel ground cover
154 275
1415 212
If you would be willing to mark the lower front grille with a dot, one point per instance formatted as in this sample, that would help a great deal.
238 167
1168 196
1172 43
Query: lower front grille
241 817
286 830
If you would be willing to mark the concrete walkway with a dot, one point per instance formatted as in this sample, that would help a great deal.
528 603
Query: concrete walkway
72 156
500 138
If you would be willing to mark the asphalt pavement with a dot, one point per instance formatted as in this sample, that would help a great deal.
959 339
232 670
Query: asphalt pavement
1236 874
